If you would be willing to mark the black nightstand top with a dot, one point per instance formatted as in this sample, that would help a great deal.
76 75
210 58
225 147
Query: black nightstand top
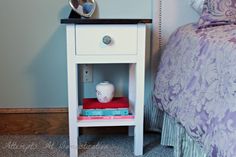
75 19
104 21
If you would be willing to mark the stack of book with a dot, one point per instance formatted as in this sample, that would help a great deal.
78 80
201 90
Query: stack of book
118 108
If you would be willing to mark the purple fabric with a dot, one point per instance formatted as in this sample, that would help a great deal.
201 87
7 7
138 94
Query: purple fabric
218 12
196 84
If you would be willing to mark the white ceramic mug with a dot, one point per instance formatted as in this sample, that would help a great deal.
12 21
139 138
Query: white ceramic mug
105 92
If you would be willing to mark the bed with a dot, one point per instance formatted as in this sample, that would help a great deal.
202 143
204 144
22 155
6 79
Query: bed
195 86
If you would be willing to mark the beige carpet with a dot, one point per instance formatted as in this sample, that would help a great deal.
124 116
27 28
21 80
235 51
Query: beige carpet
89 146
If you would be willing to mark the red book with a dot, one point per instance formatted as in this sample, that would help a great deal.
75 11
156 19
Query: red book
117 102
105 117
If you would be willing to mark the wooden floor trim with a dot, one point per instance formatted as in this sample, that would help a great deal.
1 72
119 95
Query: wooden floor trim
33 110
49 121
28 121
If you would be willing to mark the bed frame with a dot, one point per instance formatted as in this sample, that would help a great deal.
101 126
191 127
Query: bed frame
168 15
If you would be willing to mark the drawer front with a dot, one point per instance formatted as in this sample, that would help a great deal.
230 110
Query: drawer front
106 39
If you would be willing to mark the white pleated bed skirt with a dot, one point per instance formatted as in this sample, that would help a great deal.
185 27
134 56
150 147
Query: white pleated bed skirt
173 134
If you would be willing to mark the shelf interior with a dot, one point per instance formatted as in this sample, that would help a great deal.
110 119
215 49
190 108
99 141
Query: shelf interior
103 122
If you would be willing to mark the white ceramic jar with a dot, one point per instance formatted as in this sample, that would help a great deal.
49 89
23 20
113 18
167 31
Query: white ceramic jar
105 92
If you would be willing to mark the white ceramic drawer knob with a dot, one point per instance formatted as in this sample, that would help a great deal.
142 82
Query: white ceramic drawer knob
106 39
105 92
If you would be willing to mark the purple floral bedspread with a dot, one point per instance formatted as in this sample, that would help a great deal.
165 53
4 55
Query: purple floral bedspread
196 84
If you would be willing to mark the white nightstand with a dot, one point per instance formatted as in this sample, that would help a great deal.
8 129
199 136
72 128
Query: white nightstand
96 41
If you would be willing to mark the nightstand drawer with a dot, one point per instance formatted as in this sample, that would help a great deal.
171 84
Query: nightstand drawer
106 39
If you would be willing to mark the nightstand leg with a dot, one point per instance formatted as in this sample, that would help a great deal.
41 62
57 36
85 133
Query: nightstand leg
131 131
136 100
138 140
132 85
73 108
73 141
138 135
139 107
